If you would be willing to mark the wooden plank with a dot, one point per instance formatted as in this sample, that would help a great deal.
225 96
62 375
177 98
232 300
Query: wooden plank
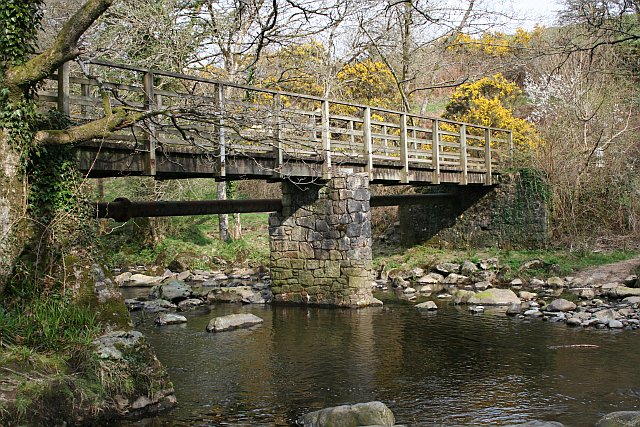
326 141
488 178
150 164
368 150
220 130
277 137
404 156
435 147
63 89
463 155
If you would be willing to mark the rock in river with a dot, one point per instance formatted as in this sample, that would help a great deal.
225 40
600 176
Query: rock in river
173 290
620 419
170 319
495 297
233 321
360 414
427 305
561 304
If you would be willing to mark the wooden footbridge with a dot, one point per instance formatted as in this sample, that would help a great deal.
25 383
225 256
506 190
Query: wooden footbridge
198 127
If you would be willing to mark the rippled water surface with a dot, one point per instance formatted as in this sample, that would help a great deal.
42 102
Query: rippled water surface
447 368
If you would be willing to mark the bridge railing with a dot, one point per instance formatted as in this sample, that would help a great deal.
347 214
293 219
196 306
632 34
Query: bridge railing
225 119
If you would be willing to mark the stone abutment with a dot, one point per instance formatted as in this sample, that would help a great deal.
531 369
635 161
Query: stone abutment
321 244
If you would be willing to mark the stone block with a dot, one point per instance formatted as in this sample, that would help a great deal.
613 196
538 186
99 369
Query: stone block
321 226
306 278
346 194
312 264
354 230
335 255
332 269
306 250
362 194
354 206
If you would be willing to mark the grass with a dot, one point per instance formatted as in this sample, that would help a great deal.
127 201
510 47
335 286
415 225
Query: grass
556 262
51 324
193 242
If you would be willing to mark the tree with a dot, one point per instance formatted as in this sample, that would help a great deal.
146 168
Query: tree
490 101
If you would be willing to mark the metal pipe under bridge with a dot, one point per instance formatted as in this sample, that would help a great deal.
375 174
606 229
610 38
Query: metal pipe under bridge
122 209
198 127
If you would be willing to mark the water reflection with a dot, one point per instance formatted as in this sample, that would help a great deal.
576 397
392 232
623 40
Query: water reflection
445 368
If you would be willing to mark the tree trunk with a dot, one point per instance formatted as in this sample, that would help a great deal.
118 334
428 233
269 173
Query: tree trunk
237 226
13 218
223 219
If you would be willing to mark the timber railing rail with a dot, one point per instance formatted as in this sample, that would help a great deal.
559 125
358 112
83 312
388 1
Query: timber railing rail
238 131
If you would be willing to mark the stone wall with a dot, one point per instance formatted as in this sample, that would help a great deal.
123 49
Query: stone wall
321 243
514 214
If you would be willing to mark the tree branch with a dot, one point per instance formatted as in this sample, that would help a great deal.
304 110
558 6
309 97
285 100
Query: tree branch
64 47
120 119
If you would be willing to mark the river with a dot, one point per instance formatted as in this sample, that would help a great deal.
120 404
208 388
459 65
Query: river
444 368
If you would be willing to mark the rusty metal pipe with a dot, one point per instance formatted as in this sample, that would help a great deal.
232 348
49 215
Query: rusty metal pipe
122 209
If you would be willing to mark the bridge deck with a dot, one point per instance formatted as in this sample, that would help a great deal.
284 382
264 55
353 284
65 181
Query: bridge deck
199 127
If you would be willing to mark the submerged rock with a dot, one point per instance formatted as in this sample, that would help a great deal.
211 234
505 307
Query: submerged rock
360 414
233 321
620 419
427 305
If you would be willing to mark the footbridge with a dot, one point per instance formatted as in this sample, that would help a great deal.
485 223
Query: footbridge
325 152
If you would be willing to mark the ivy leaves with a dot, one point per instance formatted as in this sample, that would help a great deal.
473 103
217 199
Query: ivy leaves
20 24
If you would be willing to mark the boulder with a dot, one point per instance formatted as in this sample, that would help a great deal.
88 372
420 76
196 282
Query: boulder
536 283
169 319
189 303
468 268
109 345
615 324
527 296
232 294
120 279
556 282
516 282
606 315
447 268
514 309
495 296
360 414
561 304
623 292
620 419
431 278
157 305
233 321
535 264
427 305
455 279
396 273
482 286
141 280
462 296
632 300
631 281
432 287
173 290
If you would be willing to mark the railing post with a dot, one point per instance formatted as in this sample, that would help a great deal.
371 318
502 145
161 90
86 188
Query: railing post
404 149
510 142
488 179
463 154
277 137
150 165
326 141
63 89
366 134
221 149
435 151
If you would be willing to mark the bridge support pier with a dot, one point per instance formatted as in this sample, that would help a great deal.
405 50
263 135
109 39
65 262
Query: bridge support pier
321 244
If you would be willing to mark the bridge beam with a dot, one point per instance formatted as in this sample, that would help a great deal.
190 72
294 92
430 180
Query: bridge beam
321 244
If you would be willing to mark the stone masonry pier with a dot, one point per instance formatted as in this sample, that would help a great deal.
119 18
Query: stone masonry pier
321 243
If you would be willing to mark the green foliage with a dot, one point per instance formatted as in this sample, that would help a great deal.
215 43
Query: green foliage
20 24
47 324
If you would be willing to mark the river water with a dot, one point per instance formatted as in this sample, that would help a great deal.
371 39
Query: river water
449 368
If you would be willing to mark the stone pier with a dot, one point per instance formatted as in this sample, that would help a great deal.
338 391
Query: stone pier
321 244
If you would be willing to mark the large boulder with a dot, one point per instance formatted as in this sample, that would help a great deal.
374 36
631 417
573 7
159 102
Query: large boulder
561 304
233 321
427 305
620 419
431 278
140 280
360 414
173 290
170 319
495 296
